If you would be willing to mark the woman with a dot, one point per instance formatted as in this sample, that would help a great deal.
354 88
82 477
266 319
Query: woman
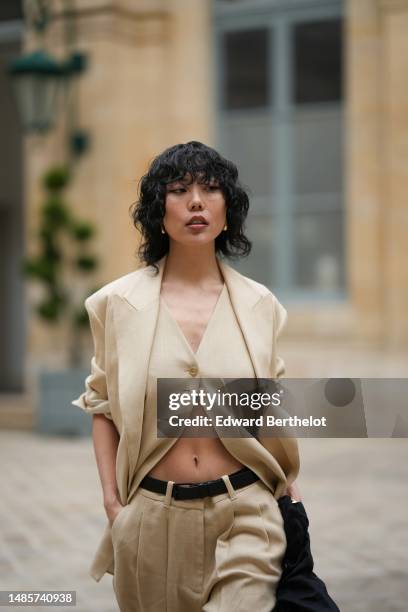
194 523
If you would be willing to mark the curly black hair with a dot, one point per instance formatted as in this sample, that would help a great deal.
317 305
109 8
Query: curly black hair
203 164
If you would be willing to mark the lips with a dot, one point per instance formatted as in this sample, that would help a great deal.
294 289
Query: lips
197 220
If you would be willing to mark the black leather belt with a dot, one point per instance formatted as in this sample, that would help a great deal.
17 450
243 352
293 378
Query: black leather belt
239 479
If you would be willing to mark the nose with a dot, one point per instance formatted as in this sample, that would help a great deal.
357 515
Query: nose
196 202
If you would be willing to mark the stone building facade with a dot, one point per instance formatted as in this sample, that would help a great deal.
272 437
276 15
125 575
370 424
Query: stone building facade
154 76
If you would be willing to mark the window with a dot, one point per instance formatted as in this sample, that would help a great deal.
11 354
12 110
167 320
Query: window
317 61
288 146
246 82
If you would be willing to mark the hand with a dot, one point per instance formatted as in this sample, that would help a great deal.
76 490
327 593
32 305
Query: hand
112 509
294 492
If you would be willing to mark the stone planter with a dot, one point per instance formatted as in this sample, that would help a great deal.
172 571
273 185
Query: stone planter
56 415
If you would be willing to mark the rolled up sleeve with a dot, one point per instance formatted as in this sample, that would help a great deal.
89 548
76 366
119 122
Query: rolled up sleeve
94 399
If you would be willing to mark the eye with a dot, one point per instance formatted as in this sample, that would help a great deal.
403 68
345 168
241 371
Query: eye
213 187
177 190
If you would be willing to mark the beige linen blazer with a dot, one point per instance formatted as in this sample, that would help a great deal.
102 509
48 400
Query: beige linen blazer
123 316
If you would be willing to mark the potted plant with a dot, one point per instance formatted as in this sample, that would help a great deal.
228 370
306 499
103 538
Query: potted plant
62 268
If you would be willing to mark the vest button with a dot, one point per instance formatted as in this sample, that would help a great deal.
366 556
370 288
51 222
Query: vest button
193 371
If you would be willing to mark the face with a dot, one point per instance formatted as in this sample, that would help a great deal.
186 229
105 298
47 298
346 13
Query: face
186 200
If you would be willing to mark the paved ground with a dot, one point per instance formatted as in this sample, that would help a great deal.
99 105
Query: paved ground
355 491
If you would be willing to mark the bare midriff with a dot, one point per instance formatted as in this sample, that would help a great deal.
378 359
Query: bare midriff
195 460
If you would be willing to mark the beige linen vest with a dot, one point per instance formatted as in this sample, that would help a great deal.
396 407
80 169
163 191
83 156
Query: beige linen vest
222 353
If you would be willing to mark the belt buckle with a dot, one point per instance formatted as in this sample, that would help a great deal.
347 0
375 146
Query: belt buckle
211 488
202 490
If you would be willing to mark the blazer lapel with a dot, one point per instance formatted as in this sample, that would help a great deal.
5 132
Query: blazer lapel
135 317
254 315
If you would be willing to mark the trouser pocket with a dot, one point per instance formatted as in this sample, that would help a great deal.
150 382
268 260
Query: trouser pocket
126 543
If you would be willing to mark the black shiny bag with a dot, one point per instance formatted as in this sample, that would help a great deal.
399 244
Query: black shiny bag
299 589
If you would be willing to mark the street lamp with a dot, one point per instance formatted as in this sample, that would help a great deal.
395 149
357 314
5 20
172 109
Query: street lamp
39 81
36 82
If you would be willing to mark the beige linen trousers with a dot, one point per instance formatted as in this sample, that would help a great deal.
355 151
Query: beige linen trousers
216 554
123 316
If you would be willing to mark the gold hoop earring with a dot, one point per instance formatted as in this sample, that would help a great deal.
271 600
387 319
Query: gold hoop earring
225 227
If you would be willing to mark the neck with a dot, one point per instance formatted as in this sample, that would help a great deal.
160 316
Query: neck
192 265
